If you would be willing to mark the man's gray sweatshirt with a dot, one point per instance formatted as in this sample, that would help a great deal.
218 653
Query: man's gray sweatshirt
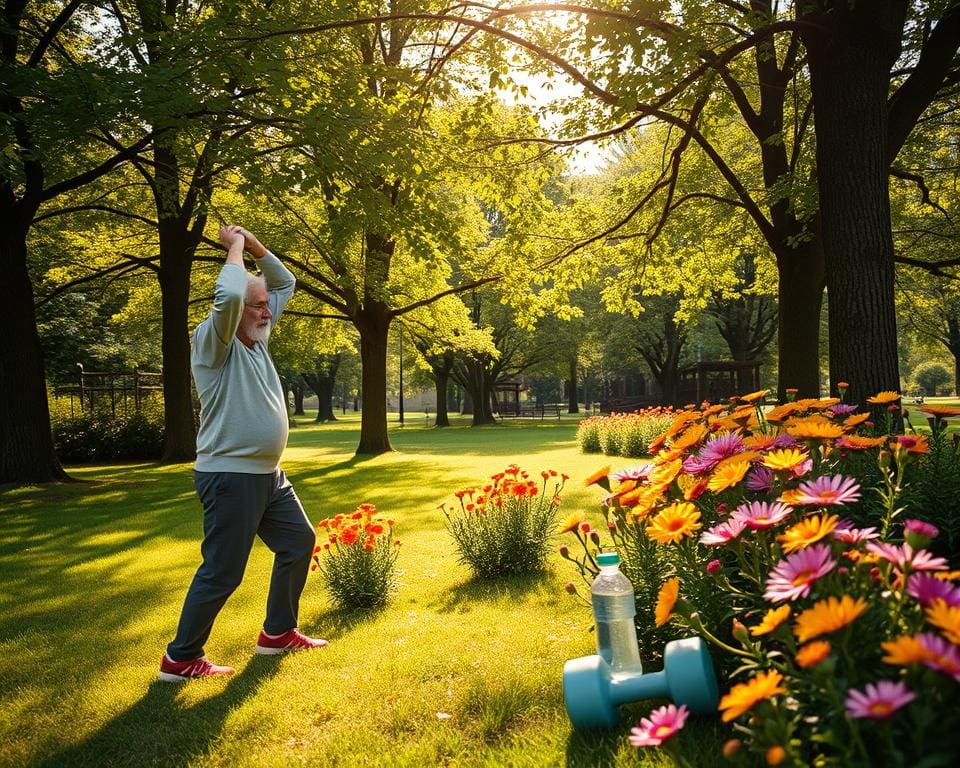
243 412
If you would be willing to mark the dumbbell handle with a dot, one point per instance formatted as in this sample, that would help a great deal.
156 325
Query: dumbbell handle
636 687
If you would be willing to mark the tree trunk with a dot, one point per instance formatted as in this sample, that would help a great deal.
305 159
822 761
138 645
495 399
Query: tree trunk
850 56
373 324
466 407
798 327
573 402
297 388
442 379
324 390
176 256
322 381
26 444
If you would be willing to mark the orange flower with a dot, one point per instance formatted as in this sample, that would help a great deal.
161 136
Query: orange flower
939 411
814 428
811 654
666 600
742 697
947 618
855 419
598 476
825 402
882 398
754 396
859 443
773 619
904 650
781 413
690 437
828 616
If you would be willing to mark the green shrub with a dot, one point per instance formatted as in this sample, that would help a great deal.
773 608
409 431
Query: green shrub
623 434
101 436
504 528
930 376
588 435
356 558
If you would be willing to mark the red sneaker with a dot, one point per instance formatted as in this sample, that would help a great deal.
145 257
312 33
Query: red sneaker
294 640
180 671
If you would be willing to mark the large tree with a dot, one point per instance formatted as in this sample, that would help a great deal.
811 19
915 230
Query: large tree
53 94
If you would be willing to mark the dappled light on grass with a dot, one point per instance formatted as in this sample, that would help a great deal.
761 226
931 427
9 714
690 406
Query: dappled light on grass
94 576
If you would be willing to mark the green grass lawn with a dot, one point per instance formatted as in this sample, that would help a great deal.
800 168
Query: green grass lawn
453 672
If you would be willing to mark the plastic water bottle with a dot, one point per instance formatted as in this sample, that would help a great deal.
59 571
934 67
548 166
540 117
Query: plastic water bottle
613 610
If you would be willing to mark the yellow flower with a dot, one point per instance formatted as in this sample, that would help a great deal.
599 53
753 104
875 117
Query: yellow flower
811 654
808 531
673 523
771 620
784 459
828 616
742 697
947 618
728 475
666 600
572 522
882 398
904 650
814 428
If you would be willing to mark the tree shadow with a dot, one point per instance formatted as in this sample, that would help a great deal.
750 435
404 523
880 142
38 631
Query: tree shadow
161 730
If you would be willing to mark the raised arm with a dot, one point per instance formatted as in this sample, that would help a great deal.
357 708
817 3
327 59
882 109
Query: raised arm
213 336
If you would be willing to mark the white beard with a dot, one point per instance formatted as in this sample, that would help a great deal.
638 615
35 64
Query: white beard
258 333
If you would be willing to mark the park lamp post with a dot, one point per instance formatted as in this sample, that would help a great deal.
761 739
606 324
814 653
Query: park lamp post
401 375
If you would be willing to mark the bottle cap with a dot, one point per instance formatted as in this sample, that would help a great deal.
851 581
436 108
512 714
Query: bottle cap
608 558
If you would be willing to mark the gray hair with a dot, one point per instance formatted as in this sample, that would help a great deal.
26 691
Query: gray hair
254 281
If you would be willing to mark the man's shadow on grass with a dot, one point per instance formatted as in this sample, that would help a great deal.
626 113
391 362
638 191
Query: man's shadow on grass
160 730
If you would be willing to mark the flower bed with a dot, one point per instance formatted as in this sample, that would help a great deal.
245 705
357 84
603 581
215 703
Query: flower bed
778 536
623 434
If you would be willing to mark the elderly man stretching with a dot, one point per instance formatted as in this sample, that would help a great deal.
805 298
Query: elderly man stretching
243 431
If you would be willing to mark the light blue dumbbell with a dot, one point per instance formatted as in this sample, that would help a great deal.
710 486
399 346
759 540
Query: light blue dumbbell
593 694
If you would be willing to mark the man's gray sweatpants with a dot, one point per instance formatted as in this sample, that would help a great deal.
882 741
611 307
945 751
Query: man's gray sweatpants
236 508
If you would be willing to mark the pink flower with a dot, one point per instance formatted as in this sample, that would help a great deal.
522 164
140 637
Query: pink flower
714 567
716 450
660 726
918 533
926 588
639 472
828 491
846 533
761 514
723 533
878 701
793 577
841 409
905 557
942 655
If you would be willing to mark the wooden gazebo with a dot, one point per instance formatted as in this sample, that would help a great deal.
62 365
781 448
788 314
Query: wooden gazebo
717 380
